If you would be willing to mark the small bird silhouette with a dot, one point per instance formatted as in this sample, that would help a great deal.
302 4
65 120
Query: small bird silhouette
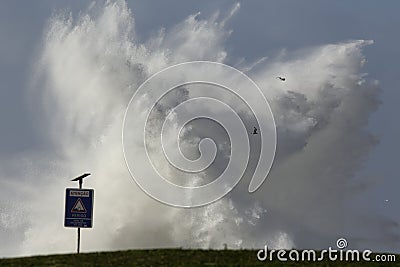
255 131
281 78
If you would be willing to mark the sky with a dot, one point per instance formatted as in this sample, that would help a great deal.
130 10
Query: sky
68 71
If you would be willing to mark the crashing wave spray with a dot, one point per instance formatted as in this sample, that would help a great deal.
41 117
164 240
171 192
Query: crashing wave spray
88 70
199 72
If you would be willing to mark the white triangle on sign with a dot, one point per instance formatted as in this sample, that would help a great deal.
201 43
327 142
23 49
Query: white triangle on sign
79 207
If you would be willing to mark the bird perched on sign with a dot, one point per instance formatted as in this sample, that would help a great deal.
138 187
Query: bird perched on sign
281 78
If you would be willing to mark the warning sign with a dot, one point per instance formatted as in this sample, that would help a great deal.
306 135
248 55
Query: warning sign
78 206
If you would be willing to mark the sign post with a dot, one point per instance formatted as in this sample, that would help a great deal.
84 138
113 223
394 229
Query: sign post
79 207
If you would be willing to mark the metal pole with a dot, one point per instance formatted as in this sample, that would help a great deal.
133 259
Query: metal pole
79 229
80 180
79 238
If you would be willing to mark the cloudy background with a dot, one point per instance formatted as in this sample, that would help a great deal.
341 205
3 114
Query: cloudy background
68 71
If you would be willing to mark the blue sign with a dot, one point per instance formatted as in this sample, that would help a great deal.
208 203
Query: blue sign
79 208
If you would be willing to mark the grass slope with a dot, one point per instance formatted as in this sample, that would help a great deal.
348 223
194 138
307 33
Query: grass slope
170 257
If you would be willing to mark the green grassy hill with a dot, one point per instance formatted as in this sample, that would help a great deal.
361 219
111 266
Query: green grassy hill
170 257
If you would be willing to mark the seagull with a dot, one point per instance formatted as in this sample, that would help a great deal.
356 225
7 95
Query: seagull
281 78
255 131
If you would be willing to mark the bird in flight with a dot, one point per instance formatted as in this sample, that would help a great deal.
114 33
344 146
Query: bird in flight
281 78
255 131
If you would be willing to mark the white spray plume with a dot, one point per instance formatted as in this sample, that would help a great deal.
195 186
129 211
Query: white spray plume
85 74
